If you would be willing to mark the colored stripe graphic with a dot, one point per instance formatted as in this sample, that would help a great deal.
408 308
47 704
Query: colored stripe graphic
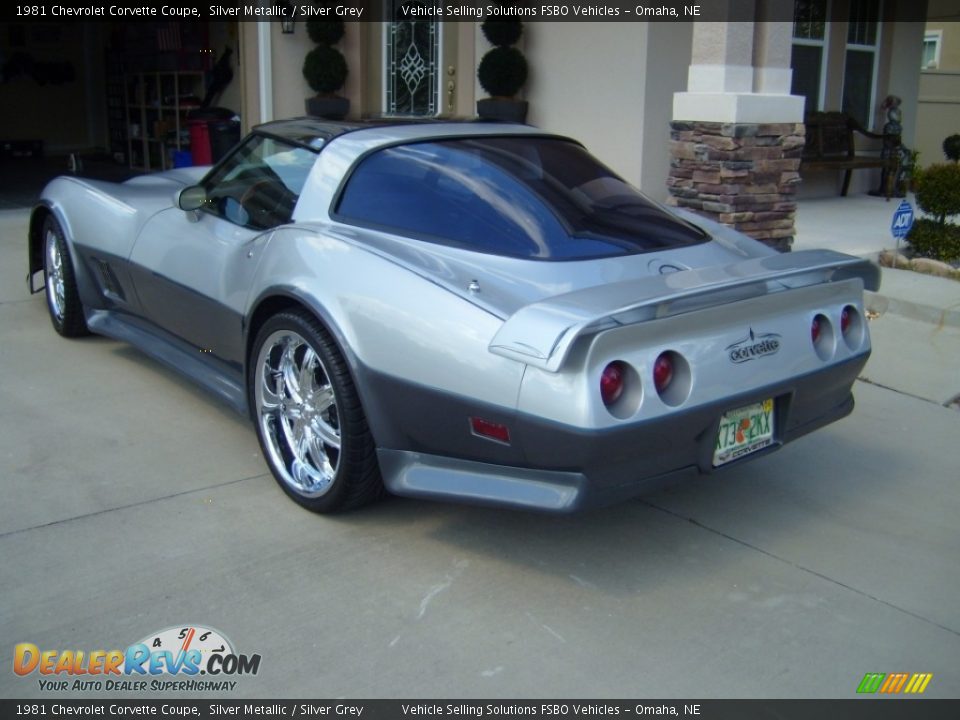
871 682
894 683
918 683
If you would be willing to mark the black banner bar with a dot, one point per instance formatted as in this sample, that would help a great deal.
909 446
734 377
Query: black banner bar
445 10
854 709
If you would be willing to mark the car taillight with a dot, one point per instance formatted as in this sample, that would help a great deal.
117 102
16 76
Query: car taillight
823 336
815 328
612 382
852 328
662 372
846 318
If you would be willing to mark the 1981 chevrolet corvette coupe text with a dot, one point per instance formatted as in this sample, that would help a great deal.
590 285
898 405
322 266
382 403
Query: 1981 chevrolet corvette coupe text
480 312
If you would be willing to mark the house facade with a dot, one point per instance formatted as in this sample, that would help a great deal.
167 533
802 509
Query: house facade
646 97
938 108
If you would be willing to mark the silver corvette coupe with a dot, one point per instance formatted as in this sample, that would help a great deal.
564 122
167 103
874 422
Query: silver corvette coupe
466 311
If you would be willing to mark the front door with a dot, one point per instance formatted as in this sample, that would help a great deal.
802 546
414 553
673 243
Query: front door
419 63
192 269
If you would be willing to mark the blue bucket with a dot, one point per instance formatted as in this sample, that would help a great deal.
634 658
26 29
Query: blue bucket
182 158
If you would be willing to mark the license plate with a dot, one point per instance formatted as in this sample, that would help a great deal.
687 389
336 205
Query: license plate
744 431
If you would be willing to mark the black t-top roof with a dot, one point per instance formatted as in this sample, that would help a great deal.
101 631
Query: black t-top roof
315 132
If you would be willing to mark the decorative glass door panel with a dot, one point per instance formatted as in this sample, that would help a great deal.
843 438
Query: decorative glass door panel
412 63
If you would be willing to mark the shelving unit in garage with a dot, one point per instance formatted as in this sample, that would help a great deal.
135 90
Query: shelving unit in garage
157 105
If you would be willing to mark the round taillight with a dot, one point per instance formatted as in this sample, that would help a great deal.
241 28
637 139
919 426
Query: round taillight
846 318
823 336
662 372
612 382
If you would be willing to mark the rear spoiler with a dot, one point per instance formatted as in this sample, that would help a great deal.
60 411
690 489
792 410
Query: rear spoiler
542 333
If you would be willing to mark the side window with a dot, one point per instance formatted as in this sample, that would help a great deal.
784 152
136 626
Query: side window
446 194
258 186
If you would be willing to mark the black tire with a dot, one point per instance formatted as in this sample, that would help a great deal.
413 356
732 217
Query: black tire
60 282
309 419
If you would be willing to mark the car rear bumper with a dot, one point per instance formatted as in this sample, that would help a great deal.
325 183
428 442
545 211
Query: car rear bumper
568 469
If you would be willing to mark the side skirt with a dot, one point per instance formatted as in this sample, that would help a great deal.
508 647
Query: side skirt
225 384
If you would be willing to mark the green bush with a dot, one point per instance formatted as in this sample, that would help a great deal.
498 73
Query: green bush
325 69
931 239
502 33
325 32
938 190
951 148
502 71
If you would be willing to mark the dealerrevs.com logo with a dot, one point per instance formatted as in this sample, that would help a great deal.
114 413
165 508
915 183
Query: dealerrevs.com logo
180 658
753 346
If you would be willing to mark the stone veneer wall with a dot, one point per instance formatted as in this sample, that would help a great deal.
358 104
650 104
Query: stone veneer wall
741 175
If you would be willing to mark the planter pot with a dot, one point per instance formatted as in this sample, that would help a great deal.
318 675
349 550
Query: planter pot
329 108
502 109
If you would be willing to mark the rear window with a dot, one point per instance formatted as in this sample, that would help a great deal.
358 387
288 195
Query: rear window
539 198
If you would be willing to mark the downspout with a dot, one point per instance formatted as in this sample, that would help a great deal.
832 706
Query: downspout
265 70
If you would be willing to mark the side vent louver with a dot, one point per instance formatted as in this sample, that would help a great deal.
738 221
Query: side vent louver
108 280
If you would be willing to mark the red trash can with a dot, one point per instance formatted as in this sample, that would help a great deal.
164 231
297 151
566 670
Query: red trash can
200 142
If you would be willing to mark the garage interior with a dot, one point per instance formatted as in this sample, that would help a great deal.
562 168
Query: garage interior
111 100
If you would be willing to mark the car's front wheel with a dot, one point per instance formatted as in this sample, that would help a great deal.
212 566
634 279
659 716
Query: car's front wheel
309 418
63 299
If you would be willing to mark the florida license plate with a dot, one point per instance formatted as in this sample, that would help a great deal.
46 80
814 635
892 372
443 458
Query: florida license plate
744 431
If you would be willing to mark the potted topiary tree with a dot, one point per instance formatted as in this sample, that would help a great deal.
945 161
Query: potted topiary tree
502 72
325 70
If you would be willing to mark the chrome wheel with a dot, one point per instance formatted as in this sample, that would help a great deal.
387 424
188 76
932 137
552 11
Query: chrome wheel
297 413
63 295
54 266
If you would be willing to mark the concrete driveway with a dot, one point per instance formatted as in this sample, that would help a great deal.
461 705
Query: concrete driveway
133 502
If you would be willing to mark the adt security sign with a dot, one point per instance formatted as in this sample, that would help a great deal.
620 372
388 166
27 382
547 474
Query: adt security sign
902 220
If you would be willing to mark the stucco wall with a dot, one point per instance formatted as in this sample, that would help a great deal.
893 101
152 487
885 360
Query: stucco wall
944 15
610 85
949 43
289 88
938 113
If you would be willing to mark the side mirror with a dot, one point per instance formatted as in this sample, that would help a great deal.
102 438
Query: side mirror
191 198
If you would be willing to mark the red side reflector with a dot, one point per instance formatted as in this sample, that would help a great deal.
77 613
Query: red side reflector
491 430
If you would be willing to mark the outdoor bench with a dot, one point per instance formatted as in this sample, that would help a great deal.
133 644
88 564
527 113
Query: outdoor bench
830 145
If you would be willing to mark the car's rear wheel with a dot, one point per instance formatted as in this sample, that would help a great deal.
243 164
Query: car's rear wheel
63 299
309 418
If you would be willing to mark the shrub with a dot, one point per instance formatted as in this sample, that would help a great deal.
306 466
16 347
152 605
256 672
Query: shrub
951 148
503 71
325 69
931 239
938 190
325 32
502 33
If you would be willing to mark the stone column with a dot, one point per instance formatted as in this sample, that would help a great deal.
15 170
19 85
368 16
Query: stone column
737 133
